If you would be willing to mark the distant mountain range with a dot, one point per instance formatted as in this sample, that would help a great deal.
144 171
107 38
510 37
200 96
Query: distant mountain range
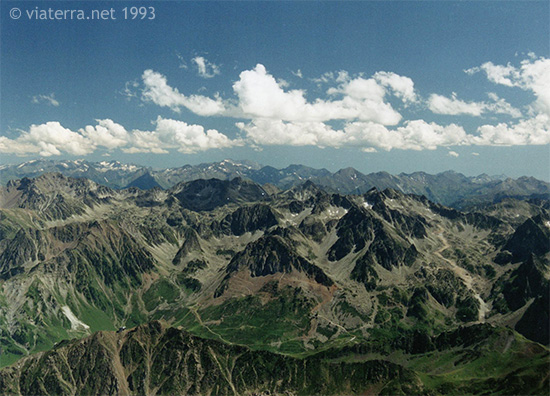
448 188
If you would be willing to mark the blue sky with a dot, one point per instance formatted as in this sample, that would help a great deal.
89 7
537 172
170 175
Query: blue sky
394 86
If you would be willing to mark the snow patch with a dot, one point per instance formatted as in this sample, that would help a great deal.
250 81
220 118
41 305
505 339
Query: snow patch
336 212
367 205
547 223
76 324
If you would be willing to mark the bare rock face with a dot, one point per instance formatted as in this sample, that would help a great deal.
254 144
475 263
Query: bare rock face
270 255
249 219
204 195
532 237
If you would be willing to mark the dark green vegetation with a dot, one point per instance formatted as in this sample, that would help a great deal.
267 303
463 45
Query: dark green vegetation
302 291
155 359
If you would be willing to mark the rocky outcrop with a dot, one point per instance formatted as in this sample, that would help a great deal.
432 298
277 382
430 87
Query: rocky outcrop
532 237
205 195
354 230
248 219
190 244
270 255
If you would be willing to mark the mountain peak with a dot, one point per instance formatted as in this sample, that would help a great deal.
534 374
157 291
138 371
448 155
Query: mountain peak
206 195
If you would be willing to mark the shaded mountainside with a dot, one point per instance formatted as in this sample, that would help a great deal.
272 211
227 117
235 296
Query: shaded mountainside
152 359
199 195
155 359
303 273
448 188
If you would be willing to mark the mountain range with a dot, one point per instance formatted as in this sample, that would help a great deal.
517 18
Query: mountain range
448 188
239 287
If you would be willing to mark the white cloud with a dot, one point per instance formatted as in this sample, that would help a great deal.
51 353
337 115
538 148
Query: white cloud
276 114
475 154
534 131
414 135
53 139
298 73
130 90
453 154
47 99
190 138
402 87
533 75
261 96
159 92
17 147
107 133
145 142
277 132
500 106
205 68
496 73
330 77
46 140
442 105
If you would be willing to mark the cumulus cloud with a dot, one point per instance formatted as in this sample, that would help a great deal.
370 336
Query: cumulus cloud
46 140
443 105
535 75
533 131
205 68
260 95
106 133
453 106
159 92
414 135
354 112
402 87
190 138
497 74
47 99
52 138
277 132
532 75
453 154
